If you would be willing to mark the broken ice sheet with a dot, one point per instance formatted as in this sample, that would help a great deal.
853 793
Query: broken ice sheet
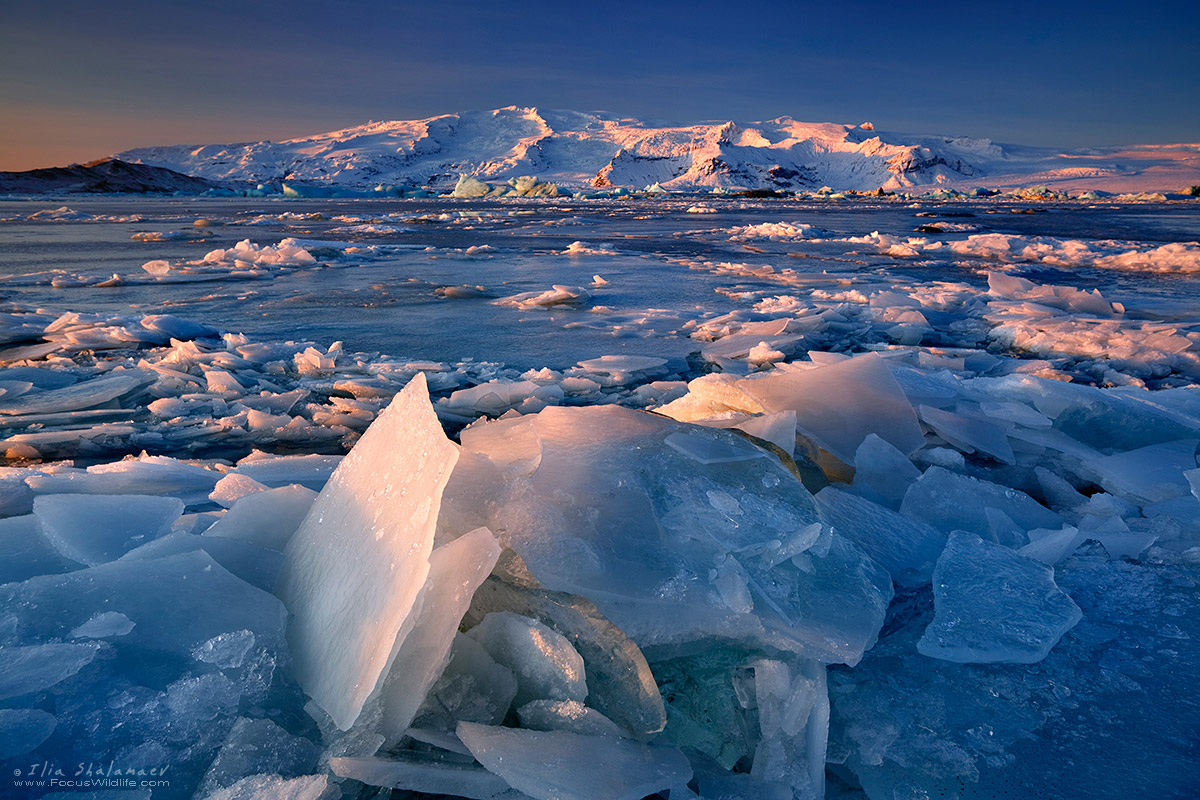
839 404
353 570
994 605
456 570
93 529
670 544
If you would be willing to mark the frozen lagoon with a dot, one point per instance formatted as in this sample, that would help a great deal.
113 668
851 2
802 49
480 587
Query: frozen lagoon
1029 398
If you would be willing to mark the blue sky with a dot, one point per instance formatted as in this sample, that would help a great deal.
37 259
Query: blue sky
84 80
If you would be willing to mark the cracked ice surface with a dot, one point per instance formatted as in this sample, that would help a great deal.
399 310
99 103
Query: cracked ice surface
978 444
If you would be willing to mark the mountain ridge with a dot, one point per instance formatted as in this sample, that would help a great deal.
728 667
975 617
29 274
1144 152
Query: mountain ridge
598 149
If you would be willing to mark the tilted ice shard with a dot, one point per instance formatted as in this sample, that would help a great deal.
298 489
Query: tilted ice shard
956 502
556 765
455 572
994 605
839 404
268 518
354 568
905 547
881 472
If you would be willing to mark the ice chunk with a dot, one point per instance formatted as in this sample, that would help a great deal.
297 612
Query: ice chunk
993 605
312 471
544 662
423 773
267 519
779 429
707 450
882 473
839 404
566 715
256 746
93 529
25 670
556 765
1148 474
620 683
557 295
104 625
22 730
253 564
905 547
353 570
149 475
956 502
473 687
233 487
455 571
1052 546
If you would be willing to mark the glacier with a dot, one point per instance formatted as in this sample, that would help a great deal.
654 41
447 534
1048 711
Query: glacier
495 153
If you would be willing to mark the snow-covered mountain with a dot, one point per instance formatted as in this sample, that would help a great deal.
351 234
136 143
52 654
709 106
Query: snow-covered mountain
575 149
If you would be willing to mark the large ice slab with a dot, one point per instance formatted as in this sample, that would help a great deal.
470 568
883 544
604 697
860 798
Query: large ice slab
176 603
556 765
23 729
673 531
356 565
455 572
994 605
86 394
25 670
25 552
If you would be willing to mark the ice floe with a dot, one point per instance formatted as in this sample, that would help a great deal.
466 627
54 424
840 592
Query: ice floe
903 537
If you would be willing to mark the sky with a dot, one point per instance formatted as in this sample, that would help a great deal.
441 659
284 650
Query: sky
85 80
